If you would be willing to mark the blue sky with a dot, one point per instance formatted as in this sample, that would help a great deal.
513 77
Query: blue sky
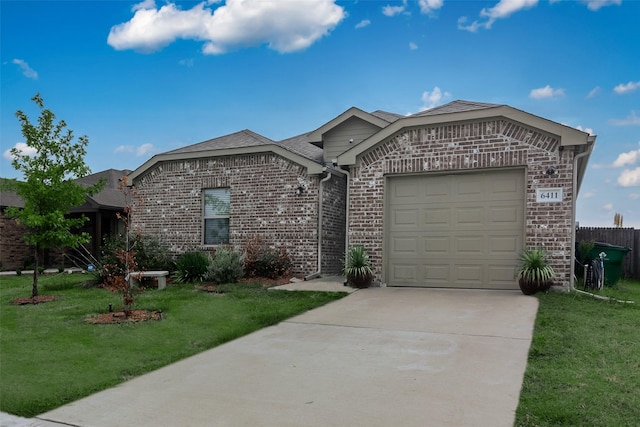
139 78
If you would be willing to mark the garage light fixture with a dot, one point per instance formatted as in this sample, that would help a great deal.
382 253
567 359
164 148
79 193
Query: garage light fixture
550 171
299 190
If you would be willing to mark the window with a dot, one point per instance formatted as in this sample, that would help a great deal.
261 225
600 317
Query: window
216 216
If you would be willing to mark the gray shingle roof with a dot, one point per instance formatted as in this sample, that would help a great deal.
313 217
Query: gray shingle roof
387 116
244 138
456 107
300 145
109 197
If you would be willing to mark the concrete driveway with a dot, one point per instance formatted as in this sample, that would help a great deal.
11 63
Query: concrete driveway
378 357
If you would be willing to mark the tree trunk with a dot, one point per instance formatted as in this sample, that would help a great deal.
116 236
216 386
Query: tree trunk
34 290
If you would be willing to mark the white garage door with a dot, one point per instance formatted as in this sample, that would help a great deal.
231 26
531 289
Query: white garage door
461 230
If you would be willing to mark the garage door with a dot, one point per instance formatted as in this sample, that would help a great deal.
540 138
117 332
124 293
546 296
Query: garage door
461 230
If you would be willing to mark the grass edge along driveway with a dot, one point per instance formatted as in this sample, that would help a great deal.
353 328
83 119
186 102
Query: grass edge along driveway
584 362
50 356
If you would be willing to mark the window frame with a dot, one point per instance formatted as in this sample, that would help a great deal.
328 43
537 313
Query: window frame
210 192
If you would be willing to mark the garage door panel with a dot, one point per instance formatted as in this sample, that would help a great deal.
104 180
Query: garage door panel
469 216
405 246
438 246
437 216
470 246
436 273
405 218
504 245
468 230
406 274
505 214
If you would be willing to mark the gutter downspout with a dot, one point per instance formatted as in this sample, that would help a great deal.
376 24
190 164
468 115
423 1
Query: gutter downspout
573 214
320 197
346 216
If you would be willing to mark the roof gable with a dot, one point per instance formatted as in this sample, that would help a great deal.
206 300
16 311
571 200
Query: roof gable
316 135
458 111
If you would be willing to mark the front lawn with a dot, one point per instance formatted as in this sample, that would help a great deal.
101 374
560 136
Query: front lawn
584 361
50 356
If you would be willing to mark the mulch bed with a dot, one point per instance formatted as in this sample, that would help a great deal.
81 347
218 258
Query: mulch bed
35 300
119 317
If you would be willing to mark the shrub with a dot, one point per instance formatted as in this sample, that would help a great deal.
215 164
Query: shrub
192 267
263 261
227 266
150 252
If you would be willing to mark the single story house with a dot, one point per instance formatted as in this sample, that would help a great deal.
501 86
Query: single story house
101 209
447 197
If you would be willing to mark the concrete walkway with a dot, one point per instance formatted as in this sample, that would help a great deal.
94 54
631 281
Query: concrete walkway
378 357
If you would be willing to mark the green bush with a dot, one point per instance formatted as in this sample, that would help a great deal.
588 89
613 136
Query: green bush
150 252
227 266
192 267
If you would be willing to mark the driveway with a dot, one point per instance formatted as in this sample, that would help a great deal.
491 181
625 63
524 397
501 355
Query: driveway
378 357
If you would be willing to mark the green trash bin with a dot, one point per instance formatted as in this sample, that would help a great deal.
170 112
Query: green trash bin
612 262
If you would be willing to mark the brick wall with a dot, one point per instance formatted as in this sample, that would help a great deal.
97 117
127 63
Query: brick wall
14 252
13 249
334 204
465 147
263 202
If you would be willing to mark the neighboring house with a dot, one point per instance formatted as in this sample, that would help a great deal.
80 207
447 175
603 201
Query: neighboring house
444 198
101 209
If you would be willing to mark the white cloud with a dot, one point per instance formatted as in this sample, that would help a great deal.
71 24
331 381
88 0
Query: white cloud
428 6
634 196
608 207
629 158
124 149
593 92
630 178
145 149
433 98
284 25
587 130
22 148
412 46
187 62
626 88
588 195
141 150
503 9
27 71
389 10
363 23
546 92
597 4
631 120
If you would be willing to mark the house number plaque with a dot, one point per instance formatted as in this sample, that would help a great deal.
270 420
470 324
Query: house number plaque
548 195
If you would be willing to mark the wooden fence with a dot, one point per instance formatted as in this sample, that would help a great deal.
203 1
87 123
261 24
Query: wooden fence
627 237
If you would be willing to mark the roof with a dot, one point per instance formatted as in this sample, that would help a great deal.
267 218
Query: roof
303 148
458 106
109 198
244 138
300 144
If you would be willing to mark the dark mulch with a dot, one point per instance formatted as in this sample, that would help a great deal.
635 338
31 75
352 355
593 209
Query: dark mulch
35 300
119 317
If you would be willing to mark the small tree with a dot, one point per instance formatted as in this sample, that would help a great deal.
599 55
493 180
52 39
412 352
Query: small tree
49 190
117 274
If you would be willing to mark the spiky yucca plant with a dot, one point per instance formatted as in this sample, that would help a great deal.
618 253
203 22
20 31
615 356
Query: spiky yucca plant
534 272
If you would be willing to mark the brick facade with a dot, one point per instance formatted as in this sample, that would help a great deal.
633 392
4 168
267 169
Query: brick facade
264 202
496 143
14 250
334 203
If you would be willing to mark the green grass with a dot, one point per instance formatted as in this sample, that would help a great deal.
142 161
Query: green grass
50 356
584 361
